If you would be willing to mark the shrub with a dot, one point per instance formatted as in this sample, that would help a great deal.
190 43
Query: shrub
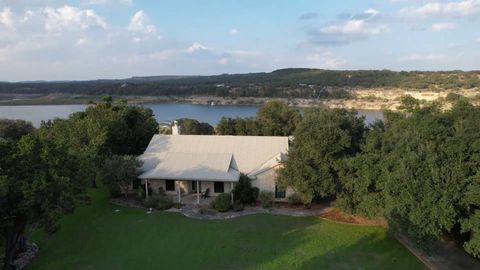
140 194
114 191
151 202
256 191
243 192
266 198
164 203
177 205
222 202
452 97
237 207
295 199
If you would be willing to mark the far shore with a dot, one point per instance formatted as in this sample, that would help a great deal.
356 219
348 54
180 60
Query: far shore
363 99
62 99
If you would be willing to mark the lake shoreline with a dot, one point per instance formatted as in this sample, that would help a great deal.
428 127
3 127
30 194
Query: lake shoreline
62 99
162 111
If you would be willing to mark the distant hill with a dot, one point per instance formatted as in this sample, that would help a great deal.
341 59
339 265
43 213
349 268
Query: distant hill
292 82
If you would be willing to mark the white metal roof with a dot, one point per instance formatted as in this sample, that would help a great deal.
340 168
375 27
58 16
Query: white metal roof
194 166
178 155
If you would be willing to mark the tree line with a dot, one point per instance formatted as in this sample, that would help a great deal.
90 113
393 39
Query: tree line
285 83
45 172
419 168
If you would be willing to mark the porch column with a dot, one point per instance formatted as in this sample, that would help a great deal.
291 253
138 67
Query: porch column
198 193
178 188
231 191
146 188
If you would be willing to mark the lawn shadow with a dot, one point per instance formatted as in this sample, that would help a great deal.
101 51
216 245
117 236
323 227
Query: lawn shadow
369 252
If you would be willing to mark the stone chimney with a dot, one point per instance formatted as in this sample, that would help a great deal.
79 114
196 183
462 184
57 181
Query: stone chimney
176 129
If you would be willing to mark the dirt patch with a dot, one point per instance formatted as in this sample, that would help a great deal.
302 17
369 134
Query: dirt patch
335 214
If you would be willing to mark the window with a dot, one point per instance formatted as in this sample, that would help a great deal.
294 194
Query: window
169 185
279 192
218 187
194 186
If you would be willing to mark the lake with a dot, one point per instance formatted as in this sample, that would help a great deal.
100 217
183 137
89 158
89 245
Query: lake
162 111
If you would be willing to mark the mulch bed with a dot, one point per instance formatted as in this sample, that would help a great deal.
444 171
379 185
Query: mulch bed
321 210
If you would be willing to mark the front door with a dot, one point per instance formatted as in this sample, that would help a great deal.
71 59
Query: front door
194 186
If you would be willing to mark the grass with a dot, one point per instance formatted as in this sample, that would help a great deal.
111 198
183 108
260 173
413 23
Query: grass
97 237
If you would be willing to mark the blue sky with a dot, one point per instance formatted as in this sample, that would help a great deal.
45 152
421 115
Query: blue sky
90 39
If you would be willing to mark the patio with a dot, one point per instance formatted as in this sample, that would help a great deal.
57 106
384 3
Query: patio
191 199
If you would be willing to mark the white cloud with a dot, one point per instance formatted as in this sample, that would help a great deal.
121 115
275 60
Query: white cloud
443 26
353 27
372 12
357 27
6 18
71 18
142 28
325 59
223 61
81 42
233 31
478 39
196 46
140 23
466 8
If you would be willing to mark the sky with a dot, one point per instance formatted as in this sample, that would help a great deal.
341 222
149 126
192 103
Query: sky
98 39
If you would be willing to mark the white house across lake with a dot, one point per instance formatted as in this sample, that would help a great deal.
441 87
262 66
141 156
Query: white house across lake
198 164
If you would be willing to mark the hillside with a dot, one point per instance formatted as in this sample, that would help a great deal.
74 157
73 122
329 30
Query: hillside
285 83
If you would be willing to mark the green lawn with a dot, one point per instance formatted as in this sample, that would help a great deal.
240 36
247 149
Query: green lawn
96 237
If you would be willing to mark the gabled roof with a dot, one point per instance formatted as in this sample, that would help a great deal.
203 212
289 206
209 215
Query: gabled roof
273 162
194 166
247 153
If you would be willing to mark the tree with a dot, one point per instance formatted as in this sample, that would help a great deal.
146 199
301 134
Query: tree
361 189
226 126
13 130
38 185
322 139
409 103
119 172
120 129
274 118
421 171
248 126
103 130
277 119
194 127
244 193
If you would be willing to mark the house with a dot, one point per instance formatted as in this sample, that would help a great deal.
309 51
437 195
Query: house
190 164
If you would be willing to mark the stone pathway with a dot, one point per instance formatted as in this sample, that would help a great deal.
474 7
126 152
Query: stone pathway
206 214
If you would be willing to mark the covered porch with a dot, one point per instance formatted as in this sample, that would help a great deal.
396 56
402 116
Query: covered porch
202 174
188 191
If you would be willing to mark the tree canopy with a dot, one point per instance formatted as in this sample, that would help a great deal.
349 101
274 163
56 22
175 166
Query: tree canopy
419 168
275 118
194 127
323 138
44 173
119 172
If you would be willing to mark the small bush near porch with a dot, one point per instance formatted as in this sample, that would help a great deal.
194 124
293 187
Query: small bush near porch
98 237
